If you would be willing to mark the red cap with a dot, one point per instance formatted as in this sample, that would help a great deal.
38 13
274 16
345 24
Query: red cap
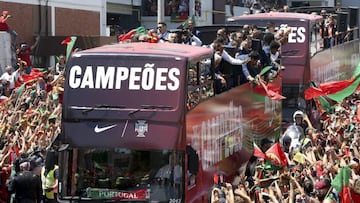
320 185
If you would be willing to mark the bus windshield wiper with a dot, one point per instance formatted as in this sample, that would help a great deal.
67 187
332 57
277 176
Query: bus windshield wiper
163 107
87 109
160 107
102 107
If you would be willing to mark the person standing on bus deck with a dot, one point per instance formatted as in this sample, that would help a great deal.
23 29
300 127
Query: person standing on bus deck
49 178
221 33
270 28
5 27
252 67
192 29
163 33
218 46
328 30
190 39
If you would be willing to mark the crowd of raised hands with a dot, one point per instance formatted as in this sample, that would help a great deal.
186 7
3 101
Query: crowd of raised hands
322 167
30 115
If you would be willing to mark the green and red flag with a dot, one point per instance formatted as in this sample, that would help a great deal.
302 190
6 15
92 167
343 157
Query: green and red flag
185 24
341 184
257 151
322 104
358 112
276 154
336 90
70 42
131 33
269 89
25 79
328 88
266 182
347 91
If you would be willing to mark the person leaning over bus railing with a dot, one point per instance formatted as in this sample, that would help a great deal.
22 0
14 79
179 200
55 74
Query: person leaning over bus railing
218 46
252 67
282 34
220 82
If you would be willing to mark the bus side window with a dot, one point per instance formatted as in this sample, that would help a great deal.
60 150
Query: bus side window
193 165
316 42
200 83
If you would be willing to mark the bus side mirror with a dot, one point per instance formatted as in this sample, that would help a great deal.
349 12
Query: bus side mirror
193 160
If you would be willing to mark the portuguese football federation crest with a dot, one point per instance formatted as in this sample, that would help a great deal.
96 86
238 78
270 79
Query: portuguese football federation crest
141 127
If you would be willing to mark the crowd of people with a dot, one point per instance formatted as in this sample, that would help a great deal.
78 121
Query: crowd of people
316 159
30 113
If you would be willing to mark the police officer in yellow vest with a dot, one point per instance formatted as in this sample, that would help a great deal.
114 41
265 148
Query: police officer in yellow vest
49 178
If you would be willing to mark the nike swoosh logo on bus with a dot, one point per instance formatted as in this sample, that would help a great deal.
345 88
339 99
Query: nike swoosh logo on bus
102 129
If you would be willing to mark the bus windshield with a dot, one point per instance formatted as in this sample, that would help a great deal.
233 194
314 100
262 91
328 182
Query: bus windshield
122 174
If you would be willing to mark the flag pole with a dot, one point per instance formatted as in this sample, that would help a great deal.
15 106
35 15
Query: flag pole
161 11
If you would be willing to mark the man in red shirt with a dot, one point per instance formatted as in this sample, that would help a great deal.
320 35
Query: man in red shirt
24 53
5 27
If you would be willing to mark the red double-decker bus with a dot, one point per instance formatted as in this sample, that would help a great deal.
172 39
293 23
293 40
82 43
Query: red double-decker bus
304 55
142 122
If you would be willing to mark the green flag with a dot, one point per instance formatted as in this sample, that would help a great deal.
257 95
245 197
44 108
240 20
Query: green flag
185 24
20 89
264 70
324 103
341 179
341 184
70 41
341 95
140 30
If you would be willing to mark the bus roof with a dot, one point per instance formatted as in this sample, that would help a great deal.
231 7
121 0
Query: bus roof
277 15
170 49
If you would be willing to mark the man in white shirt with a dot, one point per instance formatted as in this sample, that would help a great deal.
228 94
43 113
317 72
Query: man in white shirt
191 39
8 77
163 33
218 46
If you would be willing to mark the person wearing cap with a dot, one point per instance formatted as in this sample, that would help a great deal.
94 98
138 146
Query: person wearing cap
25 185
24 53
324 191
5 27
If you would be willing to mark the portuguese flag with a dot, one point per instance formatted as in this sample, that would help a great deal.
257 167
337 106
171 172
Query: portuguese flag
266 182
131 33
341 184
257 152
70 42
321 102
337 90
276 154
270 89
